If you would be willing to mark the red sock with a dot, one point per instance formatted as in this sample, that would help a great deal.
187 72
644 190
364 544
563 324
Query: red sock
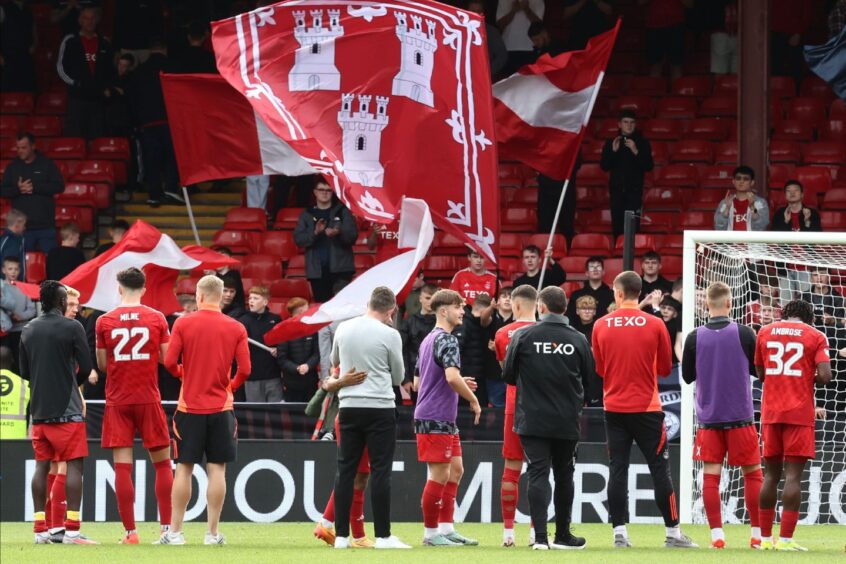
58 503
164 485
711 499
48 509
125 493
788 523
39 524
448 503
329 512
72 522
431 503
752 489
508 498
766 518
357 515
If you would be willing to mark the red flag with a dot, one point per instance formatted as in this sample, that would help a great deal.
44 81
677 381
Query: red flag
240 142
386 100
543 109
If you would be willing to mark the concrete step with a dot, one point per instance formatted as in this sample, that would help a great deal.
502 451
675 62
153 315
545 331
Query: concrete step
170 222
228 198
143 210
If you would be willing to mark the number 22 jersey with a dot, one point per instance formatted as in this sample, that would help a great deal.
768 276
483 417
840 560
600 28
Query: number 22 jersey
132 337
789 351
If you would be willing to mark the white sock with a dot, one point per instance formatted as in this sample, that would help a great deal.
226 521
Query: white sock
327 524
756 532
429 533
674 532
446 528
508 533
783 539
621 530
718 534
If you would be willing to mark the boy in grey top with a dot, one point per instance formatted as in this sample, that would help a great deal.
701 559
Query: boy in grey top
367 416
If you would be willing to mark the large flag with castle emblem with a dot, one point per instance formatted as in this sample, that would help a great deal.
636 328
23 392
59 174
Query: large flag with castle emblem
543 109
386 100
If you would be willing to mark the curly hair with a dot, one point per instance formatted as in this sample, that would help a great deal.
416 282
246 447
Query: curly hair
798 309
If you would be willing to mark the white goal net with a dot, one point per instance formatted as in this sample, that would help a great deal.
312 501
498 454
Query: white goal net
765 271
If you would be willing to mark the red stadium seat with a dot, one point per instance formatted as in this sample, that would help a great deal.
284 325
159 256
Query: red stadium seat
110 148
598 221
265 268
837 110
784 151
662 129
63 147
52 103
782 86
776 110
660 152
9 126
824 153
519 219
648 86
574 266
591 244
835 199
809 110
187 285
692 151
834 130
671 267
643 106
719 107
669 244
779 174
711 129
509 175
793 130
278 243
291 288
676 108
95 171
642 242
286 218
16 103
680 175
363 262
78 194
590 174
296 267
706 199
658 221
716 176
245 219
36 267
82 216
831 220
814 86
725 85
614 266
440 266
239 242
571 286
614 84
510 245
697 220
559 243
448 244
9 148
663 199
814 178
526 196
279 307
698 86
44 126
605 128
592 150
726 153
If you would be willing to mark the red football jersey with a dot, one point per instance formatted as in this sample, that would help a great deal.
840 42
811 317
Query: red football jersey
501 340
132 337
789 351
470 285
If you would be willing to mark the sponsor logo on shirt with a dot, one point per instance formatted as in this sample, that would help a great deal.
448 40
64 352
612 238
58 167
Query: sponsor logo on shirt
626 321
554 348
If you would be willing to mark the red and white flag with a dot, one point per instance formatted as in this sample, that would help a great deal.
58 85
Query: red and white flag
143 247
386 100
217 134
542 110
415 233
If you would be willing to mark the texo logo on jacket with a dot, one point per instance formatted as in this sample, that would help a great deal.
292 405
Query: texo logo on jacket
554 348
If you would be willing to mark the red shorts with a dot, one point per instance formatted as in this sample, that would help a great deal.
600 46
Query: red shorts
59 442
120 422
741 445
782 440
512 448
433 447
364 462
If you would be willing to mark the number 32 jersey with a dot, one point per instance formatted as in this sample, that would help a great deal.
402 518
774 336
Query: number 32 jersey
132 337
789 351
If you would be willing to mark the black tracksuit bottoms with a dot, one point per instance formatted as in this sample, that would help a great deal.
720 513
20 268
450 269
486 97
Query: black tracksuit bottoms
648 431
375 429
541 453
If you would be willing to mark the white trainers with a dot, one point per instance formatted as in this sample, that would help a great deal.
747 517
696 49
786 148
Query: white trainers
169 537
344 542
390 542
43 538
211 539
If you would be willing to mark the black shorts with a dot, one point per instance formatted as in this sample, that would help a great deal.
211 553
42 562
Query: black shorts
213 435
646 429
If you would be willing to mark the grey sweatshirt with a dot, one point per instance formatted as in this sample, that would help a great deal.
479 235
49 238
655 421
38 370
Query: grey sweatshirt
369 345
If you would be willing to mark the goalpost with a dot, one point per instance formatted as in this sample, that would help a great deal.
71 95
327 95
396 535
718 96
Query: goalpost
764 269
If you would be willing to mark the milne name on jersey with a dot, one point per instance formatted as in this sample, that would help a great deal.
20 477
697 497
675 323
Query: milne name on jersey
129 316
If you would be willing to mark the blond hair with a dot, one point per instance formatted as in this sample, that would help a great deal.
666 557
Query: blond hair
71 292
717 292
211 287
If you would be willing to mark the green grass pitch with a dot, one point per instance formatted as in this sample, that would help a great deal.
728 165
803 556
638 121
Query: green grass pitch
292 542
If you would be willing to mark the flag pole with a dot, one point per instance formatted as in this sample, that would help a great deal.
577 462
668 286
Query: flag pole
260 345
191 216
552 233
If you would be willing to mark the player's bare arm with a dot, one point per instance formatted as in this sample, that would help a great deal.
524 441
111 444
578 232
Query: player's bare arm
760 372
351 377
458 383
823 373
101 360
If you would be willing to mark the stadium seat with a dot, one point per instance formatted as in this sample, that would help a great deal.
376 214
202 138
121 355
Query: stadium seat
265 268
782 86
726 153
239 242
296 267
779 174
614 84
814 86
293 288
710 129
782 151
642 106
591 244
671 266
596 221
574 266
592 150
725 85
663 199
36 267
716 176
679 175
82 216
510 245
676 108
590 174
16 103
95 171
776 110
9 149
824 152
286 218
9 126
67 167
3 164
835 199
814 178
110 148
658 221
63 147
660 152
526 196
692 151
559 243
571 286
44 126
52 103
793 130
809 110
363 262
278 243
706 199
78 194
245 219
648 86
696 220
662 129
833 130
831 221
670 244
837 110
441 266
508 268
697 86
642 242
520 219
187 285
509 175
614 266
605 128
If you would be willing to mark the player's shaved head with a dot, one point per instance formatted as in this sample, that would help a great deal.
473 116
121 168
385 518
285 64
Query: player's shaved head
798 309
554 299
131 279
526 293
717 294
210 287
629 283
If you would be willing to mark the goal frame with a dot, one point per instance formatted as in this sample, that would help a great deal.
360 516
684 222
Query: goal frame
691 240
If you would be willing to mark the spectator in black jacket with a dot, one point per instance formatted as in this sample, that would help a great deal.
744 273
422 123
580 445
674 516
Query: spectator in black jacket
502 316
85 63
12 239
595 287
196 58
118 117
17 44
230 305
552 366
628 157
795 216
116 232
63 260
146 103
299 359
232 276
31 181
414 329
265 384
476 334
650 266
583 322
555 275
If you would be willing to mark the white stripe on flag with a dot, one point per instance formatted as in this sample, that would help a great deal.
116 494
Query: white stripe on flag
540 103
277 157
